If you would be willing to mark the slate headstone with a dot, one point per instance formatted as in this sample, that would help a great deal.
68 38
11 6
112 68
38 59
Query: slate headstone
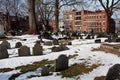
18 45
55 42
45 71
3 52
24 51
61 63
37 49
113 73
6 44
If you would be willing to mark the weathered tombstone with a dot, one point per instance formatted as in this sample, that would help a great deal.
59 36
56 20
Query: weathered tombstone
45 71
6 44
3 52
18 45
113 73
24 51
37 49
62 47
55 49
98 41
61 63
55 42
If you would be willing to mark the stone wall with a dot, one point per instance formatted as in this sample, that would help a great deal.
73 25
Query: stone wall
111 48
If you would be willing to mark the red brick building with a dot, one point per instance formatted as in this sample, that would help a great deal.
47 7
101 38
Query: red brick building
86 21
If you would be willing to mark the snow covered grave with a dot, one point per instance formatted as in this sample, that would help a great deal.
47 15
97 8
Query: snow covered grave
97 63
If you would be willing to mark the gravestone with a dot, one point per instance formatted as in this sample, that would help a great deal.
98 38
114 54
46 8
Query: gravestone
18 45
61 63
55 42
37 49
6 44
3 52
98 41
24 51
55 49
45 71
61 47
113 73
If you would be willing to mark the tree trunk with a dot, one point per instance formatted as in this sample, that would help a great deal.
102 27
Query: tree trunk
110 25
57 15
7 22
32 19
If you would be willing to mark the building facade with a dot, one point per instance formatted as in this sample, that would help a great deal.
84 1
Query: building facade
117 25
86 21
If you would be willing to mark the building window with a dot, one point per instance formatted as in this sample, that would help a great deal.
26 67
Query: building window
78 13
78 18
77 23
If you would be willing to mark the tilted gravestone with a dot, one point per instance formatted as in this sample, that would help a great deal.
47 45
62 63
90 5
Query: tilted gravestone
24 51
37 49
61 63
113 73
45 71
61 47
18 45
6 44
55 42
3 52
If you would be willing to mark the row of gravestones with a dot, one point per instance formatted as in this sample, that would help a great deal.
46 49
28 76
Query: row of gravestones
22 51
60 64
25 51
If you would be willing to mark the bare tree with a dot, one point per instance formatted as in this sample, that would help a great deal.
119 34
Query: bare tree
6 9
110 6
60 3
44 12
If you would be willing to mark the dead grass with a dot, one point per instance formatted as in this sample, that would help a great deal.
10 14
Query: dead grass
96 49
78 69
35 65
64 41
6 69
30 67
100 78
31 76
72 56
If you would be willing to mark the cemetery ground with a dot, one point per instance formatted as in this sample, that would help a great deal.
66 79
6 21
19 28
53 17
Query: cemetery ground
85 61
